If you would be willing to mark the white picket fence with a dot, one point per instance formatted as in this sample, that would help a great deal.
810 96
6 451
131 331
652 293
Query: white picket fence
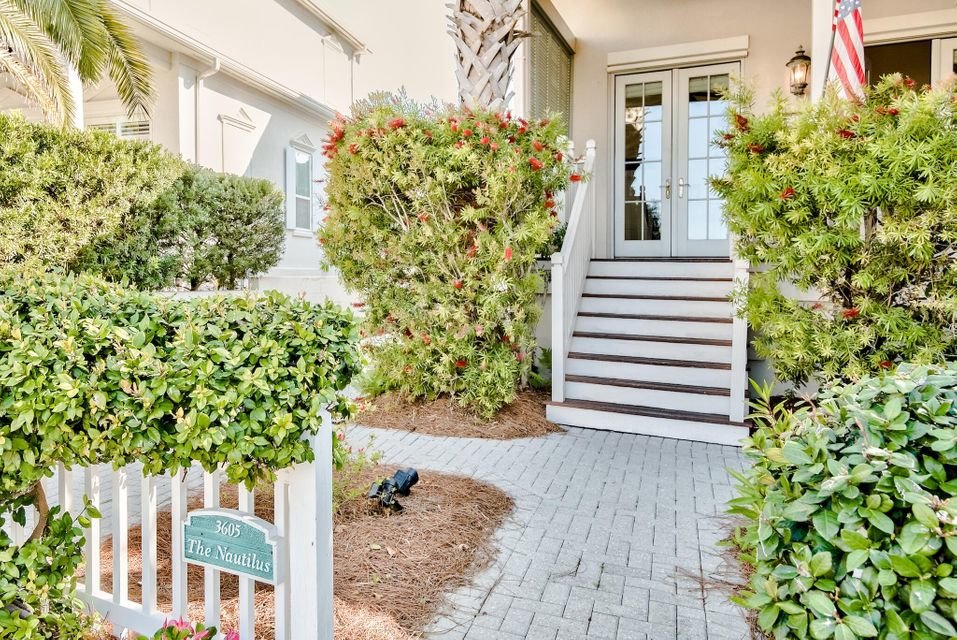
303 518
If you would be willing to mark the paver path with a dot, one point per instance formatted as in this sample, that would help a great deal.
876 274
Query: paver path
606 540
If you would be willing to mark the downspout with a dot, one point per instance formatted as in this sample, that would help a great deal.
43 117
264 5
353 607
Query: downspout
200 78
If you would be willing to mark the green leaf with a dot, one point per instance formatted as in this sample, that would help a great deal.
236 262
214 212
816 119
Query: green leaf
826 523
913 537
820 603
855 540
861 626
820 564
922 594
794 453
925 515
938 624
904 567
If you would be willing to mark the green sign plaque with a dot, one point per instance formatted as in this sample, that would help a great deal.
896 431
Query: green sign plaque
232 541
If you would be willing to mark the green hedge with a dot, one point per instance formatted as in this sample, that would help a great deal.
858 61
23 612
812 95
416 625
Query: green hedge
62 189
435 221
207 227
96 373
851 511
857 201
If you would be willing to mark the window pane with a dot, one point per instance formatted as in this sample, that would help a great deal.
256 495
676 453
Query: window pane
642 221
652 146
303 174
653 101
719 89
652 181
697 179
698 220
303 213
910 58
698 138
698 96
717 230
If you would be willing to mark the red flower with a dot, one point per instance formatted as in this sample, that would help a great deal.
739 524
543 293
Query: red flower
787 194
358 305
424 217
459 144
520 356
847 134
426 339
454 126
756 148
472 251
886 364
485 140
741 122
538 146
493 146
322 241
407 368
428 134
396 123
910 83
536 164
728 136
353 148
467 133
816 306
457 284
851 313
460 364
575 177
559 156
508 254
549 203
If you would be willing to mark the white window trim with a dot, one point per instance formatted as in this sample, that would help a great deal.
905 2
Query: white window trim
910 26
685 54
302 144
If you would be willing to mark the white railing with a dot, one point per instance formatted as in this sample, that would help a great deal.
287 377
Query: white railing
569 269
302 516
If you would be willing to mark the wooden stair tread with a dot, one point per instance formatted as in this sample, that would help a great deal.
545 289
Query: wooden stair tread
650 386
632 316
720 259
630 296
664 278
710 342
649 412
658 362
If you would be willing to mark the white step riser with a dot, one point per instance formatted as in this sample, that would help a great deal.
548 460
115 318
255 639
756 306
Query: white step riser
696 376
648 398
670 328
692 288
647 349
662 269
694 309
661 427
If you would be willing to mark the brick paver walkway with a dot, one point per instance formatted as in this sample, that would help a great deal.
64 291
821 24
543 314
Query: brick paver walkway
609 537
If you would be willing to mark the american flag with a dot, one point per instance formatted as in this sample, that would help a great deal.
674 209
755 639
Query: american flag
847 55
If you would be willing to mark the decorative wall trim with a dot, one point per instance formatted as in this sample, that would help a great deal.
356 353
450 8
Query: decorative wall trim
303 143
679 55
241 120
910 26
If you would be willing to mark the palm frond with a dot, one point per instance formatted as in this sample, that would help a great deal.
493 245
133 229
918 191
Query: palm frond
76 28
32 62
126 63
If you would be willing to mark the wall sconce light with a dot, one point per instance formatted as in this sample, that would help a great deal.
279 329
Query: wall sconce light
799 69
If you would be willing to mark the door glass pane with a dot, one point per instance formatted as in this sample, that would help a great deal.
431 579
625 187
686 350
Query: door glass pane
955 61
642 124
705 118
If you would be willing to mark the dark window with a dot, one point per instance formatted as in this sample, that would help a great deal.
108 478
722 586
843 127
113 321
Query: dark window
912 59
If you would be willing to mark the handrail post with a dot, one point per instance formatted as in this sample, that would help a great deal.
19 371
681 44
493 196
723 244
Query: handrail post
558 327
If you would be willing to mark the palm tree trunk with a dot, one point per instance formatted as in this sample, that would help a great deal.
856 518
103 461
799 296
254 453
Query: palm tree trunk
486 39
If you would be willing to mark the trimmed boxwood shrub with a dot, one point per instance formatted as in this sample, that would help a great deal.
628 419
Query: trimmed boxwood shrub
858 202
96 373
851 510
435 219
63 189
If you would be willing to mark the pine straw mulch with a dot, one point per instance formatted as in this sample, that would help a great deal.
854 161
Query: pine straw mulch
391 570
523 418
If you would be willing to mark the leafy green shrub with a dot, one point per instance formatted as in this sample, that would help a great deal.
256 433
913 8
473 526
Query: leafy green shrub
206 227
62 189
851 510
435 220
95 373
856 200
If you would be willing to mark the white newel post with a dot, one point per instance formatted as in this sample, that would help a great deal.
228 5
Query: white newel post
739 350
307 577
558 328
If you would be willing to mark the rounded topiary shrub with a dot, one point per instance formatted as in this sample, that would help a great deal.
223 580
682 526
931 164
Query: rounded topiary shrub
435 221
852 520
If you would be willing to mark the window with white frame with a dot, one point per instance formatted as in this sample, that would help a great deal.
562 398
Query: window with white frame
122 127
301 191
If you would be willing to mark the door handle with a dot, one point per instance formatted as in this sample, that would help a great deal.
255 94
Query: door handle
681 187
667 187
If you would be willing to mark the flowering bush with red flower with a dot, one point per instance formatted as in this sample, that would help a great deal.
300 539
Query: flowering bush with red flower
436 225
855 201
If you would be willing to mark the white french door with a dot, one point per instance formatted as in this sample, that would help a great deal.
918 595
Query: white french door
665 125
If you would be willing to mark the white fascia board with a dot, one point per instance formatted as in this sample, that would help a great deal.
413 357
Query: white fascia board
358 46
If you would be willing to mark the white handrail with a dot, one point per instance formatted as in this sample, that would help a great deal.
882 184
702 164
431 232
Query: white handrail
569 269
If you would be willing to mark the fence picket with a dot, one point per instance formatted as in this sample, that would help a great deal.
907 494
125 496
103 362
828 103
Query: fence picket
121 528
92 578
247 586
64 488
211 577
148 508
178 515
281 594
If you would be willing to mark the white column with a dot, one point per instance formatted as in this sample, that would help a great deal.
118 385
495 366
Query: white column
822 17
76 93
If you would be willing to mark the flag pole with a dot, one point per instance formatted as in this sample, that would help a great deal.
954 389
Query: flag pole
830 50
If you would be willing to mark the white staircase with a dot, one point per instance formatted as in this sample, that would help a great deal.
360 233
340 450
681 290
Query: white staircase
652 351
